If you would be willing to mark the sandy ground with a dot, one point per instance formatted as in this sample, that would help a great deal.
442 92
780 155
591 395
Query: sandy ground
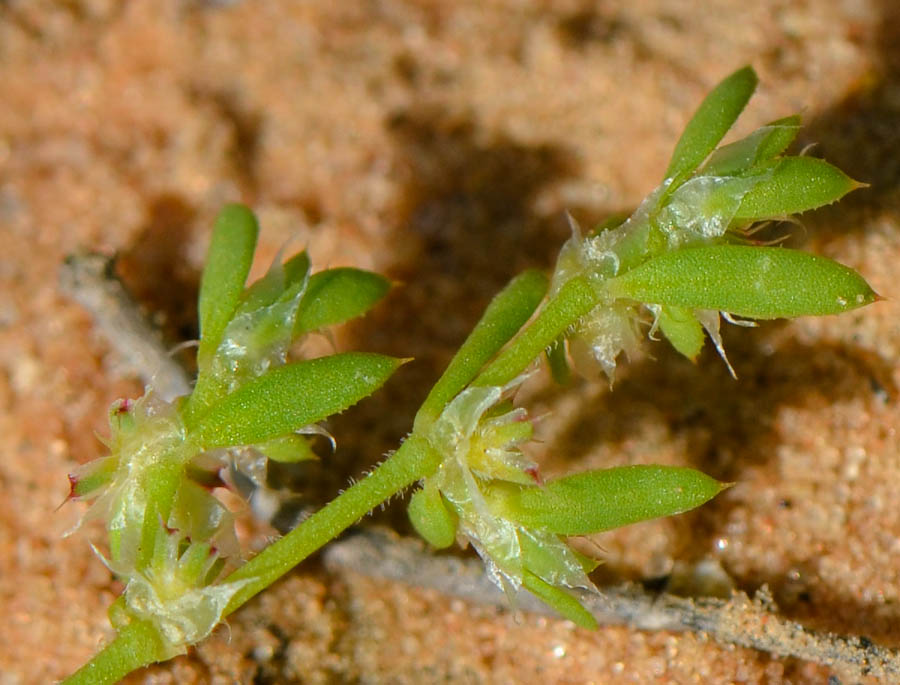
440 143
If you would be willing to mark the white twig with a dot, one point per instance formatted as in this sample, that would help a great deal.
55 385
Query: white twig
740 620
89 279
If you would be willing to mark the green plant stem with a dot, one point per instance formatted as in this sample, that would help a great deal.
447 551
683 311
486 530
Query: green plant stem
137 645
415 459
575 299
505 315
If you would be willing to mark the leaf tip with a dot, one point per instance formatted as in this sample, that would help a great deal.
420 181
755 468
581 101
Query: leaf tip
746 73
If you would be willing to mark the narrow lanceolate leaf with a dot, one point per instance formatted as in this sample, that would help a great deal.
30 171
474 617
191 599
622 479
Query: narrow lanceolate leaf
227 265
716 114
337 295
594 501
575 299
761 145
756 282
504 316
778 135
562 601
290 397
796 184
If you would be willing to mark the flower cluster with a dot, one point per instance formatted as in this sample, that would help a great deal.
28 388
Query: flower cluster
479 434
170 538
177 591
709 198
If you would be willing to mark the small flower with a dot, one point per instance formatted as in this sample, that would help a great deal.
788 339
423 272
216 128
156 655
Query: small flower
612 326
146 443
177 591
691 212
480 434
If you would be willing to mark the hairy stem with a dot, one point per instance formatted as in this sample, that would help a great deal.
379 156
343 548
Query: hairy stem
138 644
414 460
505 315
575 299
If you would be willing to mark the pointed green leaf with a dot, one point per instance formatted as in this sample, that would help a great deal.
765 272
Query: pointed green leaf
682 329
431 517
227 265
594 501
562 601
290 397
337 295
756 282
761 145
796 184
283 283
504 316
778 135
716 114
296 269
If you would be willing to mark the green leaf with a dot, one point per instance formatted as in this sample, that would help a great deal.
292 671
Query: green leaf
682 329
287 449
261 293
760 146
504 316
553 560
290 397
336 295
431 517
227 265
296 269
796 184
594 501
756 282
575 299
562 601
716 114
778 135
559 364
